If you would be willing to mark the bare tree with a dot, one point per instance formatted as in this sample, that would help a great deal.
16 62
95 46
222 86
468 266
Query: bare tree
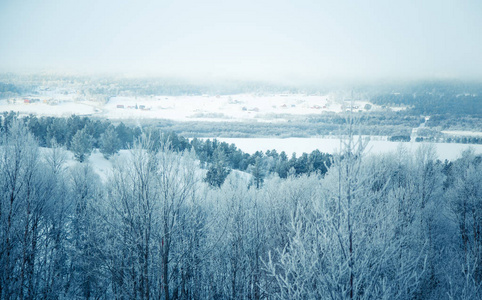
24 194
465 202
152 193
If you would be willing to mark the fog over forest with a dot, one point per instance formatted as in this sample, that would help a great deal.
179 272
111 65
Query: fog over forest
117 180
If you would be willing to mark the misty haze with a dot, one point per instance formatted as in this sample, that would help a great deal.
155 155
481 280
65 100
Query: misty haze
240 149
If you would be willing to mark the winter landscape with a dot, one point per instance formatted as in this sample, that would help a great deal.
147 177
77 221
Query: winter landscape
240 150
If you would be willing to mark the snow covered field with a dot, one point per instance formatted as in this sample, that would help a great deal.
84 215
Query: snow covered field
217 108
242 107
462 133
60 109
300 145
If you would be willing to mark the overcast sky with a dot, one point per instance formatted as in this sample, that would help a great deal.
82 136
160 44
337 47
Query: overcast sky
244 39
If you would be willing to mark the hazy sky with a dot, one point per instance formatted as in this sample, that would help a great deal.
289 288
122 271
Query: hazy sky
295 40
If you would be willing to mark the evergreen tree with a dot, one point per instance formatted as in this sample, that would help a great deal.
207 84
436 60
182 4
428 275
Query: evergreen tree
258 171
218 171
282 166
124 135
110 143
81 145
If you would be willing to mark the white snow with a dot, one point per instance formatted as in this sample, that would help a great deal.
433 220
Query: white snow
62 109
267 108
102 166
462 133
217 108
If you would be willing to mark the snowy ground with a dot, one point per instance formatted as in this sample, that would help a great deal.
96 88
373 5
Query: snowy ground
243 107
61 109
463 133
220 108
101 166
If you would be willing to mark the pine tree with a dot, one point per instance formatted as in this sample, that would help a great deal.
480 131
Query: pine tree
81 145
218 171
110 143
258 172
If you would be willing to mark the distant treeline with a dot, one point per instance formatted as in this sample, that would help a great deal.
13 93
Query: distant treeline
453 139
8 89
372 123
82 134
144 86
436 98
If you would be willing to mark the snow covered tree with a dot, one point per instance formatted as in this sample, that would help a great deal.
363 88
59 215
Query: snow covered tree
465 202
109 142
87 279
54 253
151 196
132 196
177 181
342 239
24 194
258 170
81 145
218 171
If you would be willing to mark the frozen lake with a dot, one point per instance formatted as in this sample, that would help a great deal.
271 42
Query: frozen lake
328 145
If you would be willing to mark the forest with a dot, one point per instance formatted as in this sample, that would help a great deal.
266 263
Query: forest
82 135
394 226
452 98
